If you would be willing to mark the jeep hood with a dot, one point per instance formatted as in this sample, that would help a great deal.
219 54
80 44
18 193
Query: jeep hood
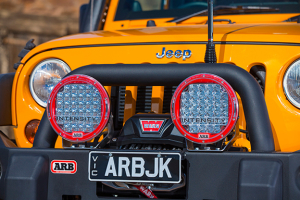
279 33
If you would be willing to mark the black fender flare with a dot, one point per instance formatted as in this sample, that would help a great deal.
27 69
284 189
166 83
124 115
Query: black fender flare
6 82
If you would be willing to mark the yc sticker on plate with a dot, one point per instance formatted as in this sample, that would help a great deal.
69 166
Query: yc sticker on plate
63 166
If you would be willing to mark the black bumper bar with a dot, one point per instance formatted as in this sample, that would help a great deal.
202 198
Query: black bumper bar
26 174
256 113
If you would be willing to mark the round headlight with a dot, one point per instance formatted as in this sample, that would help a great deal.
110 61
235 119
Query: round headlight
291 83
44 77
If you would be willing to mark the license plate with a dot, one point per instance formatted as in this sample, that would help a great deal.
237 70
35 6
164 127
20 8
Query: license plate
154 167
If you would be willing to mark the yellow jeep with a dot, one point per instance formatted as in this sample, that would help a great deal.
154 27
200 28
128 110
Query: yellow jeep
190 110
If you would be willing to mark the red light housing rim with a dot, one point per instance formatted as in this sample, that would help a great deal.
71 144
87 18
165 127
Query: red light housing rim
105 108
233 108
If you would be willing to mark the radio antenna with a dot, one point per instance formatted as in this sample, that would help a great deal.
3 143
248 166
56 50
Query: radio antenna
210 54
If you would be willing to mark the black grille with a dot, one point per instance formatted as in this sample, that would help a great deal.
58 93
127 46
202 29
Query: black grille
143 102
168 93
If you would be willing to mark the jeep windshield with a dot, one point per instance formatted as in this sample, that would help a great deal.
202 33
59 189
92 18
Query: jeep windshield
145 9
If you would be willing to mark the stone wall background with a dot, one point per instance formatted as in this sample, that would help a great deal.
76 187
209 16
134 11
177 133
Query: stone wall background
42 20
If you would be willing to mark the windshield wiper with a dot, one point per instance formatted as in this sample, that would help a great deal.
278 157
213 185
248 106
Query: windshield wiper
219 10
293 19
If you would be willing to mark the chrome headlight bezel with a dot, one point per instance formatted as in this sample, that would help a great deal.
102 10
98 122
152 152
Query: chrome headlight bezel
295 64
36 68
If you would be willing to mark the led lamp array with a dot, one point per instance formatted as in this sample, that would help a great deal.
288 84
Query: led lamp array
204 108
78 108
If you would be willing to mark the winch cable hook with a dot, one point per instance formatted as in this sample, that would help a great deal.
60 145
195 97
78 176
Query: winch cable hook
147 192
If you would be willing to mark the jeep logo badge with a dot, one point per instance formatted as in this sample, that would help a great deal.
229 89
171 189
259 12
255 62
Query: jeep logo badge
178 54
63 166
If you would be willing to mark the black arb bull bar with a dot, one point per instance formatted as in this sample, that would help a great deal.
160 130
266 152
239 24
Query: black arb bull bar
261 174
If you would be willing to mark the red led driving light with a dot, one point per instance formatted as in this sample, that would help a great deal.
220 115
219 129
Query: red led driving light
78 108
204 108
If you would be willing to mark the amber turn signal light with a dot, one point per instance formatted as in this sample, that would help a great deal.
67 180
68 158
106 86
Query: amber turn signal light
31 129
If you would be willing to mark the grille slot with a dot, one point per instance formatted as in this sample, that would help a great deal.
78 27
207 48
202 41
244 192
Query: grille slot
168 93
259 73
143 100
120 107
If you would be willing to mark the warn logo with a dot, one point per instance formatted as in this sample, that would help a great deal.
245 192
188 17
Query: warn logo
151 125
63 166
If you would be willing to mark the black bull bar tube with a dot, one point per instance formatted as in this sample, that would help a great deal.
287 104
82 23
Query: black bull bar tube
256 113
